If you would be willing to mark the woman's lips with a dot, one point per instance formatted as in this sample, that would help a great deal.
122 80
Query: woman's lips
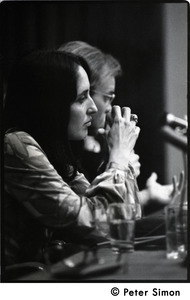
88 123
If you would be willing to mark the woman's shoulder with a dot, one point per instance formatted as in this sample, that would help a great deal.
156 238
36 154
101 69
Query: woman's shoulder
20 142
19 137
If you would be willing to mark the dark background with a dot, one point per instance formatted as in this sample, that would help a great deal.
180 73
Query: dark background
132 32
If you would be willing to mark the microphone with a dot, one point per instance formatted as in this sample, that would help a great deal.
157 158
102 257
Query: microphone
171 136
173 121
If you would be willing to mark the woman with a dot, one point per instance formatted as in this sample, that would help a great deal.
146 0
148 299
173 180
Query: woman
104 70
47 108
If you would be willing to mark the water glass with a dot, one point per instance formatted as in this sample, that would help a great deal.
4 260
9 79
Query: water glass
181 231
171 213
121 219
176 231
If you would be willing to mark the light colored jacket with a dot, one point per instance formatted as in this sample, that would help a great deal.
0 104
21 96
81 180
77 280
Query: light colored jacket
36 188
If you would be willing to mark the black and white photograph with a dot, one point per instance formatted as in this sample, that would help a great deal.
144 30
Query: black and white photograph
94 178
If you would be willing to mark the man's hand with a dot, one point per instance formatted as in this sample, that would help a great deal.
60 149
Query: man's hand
161 193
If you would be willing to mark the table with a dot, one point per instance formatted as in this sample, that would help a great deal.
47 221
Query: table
140 266
148 263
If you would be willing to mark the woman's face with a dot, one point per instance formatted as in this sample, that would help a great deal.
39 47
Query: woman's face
81 109
103 102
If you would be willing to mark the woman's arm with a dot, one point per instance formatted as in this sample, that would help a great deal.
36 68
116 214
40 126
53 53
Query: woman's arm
35 184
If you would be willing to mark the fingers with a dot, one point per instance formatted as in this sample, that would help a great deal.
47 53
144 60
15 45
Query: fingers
154 176
123 131
116 112
152 179
132 118
126 112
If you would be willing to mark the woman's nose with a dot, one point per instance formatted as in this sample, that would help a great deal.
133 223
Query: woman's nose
92 109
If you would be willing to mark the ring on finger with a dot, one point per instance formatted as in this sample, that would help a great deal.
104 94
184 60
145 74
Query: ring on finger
134 118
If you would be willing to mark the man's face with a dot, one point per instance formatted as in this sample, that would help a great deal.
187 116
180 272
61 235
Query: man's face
102 102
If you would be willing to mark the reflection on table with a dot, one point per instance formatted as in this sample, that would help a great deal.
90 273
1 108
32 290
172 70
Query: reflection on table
103 265
98 263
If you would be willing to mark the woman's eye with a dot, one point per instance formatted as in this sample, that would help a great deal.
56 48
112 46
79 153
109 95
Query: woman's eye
82 97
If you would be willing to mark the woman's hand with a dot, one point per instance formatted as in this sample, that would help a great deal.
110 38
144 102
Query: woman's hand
122 136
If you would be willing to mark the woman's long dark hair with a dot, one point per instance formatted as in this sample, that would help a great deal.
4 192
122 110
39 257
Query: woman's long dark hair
41 89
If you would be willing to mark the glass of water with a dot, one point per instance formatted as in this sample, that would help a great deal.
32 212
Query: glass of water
171 236
121 218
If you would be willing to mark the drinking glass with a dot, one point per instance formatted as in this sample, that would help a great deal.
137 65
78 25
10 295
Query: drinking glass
121 218
171 237
176 220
